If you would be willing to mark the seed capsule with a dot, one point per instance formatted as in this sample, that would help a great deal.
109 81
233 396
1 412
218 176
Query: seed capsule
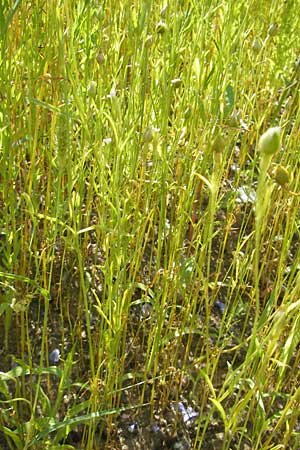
281 175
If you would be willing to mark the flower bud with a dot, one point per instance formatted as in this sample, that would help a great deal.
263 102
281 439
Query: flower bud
269 142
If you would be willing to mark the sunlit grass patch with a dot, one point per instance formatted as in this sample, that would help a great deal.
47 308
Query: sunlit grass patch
149 225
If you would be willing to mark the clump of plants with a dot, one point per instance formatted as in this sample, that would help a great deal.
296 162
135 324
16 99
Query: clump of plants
149 273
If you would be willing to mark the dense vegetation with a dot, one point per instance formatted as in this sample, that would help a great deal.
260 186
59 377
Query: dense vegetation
149 236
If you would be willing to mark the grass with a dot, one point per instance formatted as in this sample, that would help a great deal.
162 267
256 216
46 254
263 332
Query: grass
128 133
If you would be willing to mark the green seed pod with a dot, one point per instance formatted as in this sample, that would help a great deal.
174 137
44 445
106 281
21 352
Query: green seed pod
269 142
218 144
281 175
92 89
